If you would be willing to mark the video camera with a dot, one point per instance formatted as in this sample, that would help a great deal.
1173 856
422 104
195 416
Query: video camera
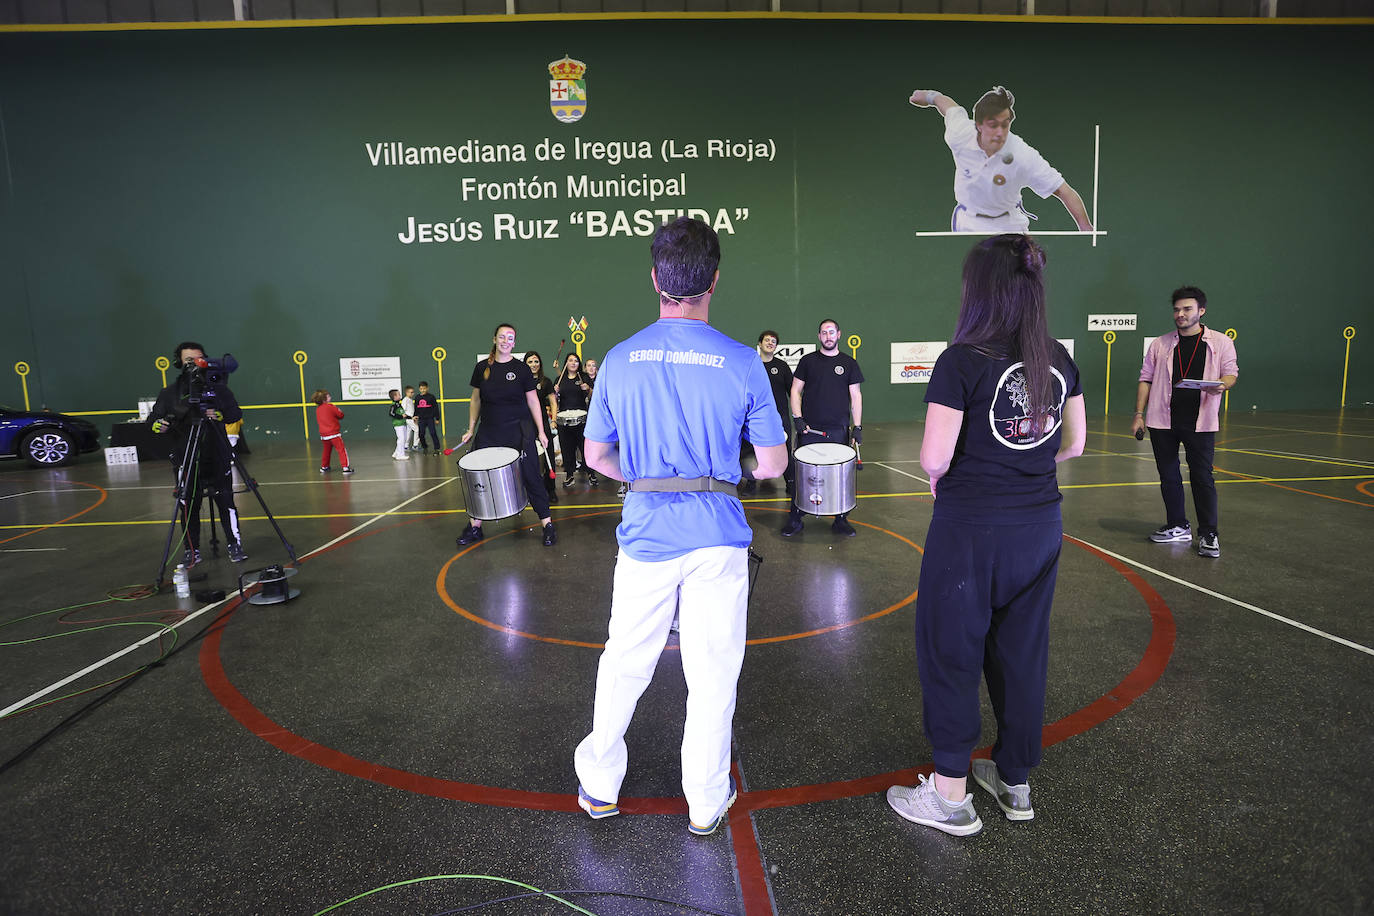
206 376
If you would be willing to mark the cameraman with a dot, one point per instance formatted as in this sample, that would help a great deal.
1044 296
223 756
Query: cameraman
178 406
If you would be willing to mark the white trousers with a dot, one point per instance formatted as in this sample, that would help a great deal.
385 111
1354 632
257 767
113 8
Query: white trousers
402 432
709 590
964 220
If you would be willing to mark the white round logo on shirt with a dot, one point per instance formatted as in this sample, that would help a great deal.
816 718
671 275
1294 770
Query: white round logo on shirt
510 376
774 370
839 370
1008 415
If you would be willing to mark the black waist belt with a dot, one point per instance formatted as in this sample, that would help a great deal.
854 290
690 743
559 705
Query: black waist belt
682 485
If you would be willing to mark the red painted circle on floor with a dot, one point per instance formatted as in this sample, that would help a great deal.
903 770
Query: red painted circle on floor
1146 672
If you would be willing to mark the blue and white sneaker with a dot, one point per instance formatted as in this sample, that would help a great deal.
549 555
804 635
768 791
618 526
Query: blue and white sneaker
596 808
710 827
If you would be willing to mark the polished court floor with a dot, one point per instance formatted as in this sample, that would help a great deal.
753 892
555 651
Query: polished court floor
406 725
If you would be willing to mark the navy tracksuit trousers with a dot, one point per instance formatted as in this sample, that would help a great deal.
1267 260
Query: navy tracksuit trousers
983 611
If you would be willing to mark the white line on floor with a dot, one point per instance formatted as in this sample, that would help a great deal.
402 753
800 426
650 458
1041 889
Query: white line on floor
190 617
29 549
882 464
32 492
1272 453
1237 602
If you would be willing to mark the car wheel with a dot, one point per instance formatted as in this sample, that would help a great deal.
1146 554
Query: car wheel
49 448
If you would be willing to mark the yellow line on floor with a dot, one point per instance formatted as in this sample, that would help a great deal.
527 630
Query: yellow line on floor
1295 457
617 504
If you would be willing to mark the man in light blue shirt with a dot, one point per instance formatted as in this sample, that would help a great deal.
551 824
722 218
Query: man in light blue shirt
668 411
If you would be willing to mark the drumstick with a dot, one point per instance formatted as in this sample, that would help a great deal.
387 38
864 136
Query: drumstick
561 344
858 458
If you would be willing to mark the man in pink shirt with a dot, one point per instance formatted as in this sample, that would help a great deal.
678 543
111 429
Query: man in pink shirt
1178 400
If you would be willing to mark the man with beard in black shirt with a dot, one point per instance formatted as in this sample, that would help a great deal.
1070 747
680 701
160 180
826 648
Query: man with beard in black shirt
825 394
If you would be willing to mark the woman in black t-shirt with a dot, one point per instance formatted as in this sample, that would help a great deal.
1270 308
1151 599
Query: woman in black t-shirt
573 391
505 399
549 402
1005 407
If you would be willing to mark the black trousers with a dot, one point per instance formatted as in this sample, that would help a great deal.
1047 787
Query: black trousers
1199 450
983 608
571 439
220 485
429 423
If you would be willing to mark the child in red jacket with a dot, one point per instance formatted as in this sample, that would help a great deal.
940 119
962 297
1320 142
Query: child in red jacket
328 416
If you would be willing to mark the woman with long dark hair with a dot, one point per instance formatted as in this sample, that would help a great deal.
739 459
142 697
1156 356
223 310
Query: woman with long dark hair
505 399
574 389
548 400
1005 407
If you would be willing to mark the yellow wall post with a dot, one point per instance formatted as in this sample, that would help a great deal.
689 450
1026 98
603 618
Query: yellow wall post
161 364
1108 338
22 368
440 354
854 342
1349 335
1226 398
300 359
578 338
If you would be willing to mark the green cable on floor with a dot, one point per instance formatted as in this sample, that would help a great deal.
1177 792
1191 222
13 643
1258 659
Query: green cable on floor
387 887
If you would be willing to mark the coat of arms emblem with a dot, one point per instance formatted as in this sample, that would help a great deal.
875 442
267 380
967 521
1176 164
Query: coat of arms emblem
567 89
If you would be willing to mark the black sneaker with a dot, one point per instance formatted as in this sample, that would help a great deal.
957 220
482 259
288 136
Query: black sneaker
592 479
568 482
236 552
471 535
794 526
191 557
841 526
749 487
1209 545
550 536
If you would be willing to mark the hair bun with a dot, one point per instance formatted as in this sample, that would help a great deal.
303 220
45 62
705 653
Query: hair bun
1031 255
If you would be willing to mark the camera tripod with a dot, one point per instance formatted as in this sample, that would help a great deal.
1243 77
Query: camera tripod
189 487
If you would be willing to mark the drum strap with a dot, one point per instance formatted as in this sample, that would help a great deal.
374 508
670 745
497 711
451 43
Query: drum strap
682 485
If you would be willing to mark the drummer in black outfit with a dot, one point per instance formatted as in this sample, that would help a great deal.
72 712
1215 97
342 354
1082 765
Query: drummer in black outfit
825 392
549 401
574 389
780 379
505 397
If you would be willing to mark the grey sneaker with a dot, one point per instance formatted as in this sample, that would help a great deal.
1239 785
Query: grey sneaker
1209 545
921 804
1013 800
1169 534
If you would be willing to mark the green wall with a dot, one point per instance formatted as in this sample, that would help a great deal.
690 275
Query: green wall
215 184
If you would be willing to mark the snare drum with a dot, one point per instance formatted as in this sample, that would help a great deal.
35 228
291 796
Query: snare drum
825 478
492 483
572 417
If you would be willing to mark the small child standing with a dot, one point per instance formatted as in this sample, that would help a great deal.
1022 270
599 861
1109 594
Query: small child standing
427 416
328 415
412 427
397 412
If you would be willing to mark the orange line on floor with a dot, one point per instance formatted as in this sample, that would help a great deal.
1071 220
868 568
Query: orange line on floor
1339 499
37 529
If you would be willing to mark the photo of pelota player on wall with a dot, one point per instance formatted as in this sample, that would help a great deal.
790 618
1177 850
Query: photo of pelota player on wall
992 165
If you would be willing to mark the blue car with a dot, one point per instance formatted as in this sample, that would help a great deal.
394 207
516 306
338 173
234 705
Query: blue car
45 440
